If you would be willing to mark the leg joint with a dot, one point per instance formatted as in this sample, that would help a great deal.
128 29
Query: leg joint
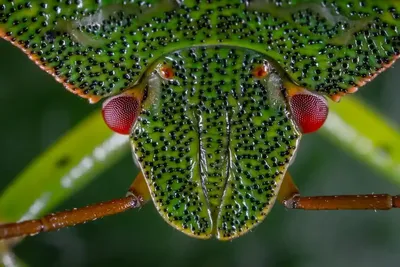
291 203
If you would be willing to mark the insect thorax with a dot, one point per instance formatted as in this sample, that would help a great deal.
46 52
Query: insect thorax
214 139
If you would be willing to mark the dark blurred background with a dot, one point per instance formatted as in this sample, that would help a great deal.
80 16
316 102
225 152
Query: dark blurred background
35 111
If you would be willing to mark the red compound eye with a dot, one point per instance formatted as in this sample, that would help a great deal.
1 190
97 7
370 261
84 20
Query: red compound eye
120 113
309 111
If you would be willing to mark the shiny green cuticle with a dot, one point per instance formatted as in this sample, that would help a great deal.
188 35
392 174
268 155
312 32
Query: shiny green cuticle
215 146
99 50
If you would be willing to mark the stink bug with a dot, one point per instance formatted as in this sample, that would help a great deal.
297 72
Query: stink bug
215 96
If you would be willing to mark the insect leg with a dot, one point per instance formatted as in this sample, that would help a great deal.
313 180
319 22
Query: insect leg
291 199
137 196
139 188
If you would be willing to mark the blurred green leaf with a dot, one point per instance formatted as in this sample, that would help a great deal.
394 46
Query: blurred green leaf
363 132
75 160
8 259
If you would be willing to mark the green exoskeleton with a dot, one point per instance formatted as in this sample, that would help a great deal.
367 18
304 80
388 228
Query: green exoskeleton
215 95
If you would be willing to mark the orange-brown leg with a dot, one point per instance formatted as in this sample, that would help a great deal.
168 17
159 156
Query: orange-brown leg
290 197
138 194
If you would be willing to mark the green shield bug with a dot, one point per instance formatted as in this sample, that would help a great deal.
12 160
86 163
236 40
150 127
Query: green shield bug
215 95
